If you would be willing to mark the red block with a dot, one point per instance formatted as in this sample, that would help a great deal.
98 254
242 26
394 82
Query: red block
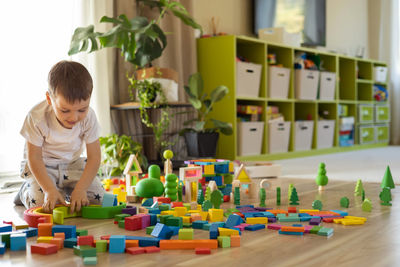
162 199
85 240
133 223
328 220
44 248
227 198
176 204
41 220
152 249
115 181
292 210
203 251
135 250
105 237
122 181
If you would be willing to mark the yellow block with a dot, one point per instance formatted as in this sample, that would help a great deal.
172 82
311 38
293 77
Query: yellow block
204 215
352 222
356 218
186 219
21 226
44 239
208 169
194 211
306 211
167 212
227 232
257 220
216 215
180 211
199 207
121 197
338 220
231 167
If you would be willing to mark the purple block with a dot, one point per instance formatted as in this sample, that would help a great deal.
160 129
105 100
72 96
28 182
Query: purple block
274 226
272 219
145 220
260 209
315 221
131 210
242 226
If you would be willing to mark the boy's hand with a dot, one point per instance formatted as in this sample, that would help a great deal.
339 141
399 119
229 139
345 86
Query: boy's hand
78 200
51 198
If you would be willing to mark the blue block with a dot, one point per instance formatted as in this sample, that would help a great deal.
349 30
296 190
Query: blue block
219 224
109 200
18 242
255 227
227 190
175 229
30 232
268 214
154 211
5 228
245 206
162 231
297 225
290 233
68 230
145 241
214 231
305 219
233 220
199 224
2 248
342 213
218 180
70 242
148 202
153 219
221 168
117 244
208 178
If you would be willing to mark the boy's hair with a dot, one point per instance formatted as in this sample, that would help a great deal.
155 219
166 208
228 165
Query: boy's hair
71 80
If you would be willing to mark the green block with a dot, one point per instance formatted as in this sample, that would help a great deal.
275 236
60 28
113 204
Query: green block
289 219
121 217
325 231
85 251
90 260
81 232
187 225
163 218
186 205
149 230
174 221
315 229
280 215
99 212
121 224
206 226
293 215
101 245
163 207
5 238
58 217
224 241
186 234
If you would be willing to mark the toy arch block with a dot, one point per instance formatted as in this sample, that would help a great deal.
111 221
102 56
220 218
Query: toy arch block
131 173
244 178
190 176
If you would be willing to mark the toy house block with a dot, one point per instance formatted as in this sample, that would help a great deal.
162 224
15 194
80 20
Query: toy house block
85 240
117 244
5 228
68 230
186 234
90 260
109 200
224 242
227 232
233 220
44 239
152 249
257 220
44 248
174 221
59 235
135 250
2 248
162 231
17 242
132 171
216 215
85 251
133 223
190 176
70 242
45 229
131 243
235 241
101 245
81 232
58 241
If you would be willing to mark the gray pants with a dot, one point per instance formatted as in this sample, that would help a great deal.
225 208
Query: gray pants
64 176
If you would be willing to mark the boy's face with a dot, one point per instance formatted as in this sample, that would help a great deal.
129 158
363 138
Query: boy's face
68 114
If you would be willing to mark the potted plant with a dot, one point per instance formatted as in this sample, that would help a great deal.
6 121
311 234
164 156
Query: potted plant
202 137
116 151
140 40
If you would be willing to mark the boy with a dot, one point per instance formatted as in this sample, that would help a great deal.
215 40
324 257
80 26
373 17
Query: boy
55 131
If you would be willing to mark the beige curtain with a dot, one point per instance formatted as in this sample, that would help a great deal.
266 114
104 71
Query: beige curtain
180 55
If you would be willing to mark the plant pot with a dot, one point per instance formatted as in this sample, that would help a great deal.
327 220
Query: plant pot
202 145
168 78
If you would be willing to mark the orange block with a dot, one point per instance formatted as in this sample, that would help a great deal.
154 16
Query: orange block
189 244
131 243
60 235
195 217
44 229
58 241
292 229
235 241
275 212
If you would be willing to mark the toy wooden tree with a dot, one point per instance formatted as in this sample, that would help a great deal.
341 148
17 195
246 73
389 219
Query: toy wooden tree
171 186
386 197
168 155
236 196
278 196
180 190
217 198
152 186
359 188
321 179
387 180
208 194
293 197
344 202
262 196
290 189
367 205
200 195
206 205
317 205
363 195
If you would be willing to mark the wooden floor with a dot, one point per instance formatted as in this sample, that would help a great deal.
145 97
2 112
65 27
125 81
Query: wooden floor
376 243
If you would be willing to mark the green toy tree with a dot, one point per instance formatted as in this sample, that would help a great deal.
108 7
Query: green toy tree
317 205
217 198
290 189
208 194
363 195
293 197
263 196
206 205
344 202
386 197
200 195
171 186
367 205
321 179
180 190
152 186
387 180
359 188
236 196
278 196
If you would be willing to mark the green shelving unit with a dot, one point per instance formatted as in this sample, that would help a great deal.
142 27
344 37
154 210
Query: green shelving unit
354 86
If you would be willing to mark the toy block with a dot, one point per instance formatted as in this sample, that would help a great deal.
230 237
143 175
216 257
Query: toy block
163 218
164 207
5 228
290 233
81 232
204 215
101 245
341 213
227 232
58 241
143 210
315 221
59 235
105 237
187 225
70 242
21 226
167 212
18 241
198 224
176 204
186 234
356 218
289 219
233 220
109 200
44 248
44 239
85 251
255 227
174 221
195 217
68 230
242 226
43 220
274 226
145 241
147 202
132 199
188 244
150 229
2 248
224 242
175 230
121 224
315 229
121 217
45 229
162 199
325 231
162 231
352 222
133 223
235 240
135 250
216 215
117 244
129 210
131 243
90 260
202 251
179 211
257 220
85 240
292 229
292 209
30 232
153 219
152 249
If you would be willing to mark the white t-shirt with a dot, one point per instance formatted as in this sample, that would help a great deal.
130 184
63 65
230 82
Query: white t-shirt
59 144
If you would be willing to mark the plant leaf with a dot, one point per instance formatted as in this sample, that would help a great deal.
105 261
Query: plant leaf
199 126
196 84
224 127
195 103
218 93
80 38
